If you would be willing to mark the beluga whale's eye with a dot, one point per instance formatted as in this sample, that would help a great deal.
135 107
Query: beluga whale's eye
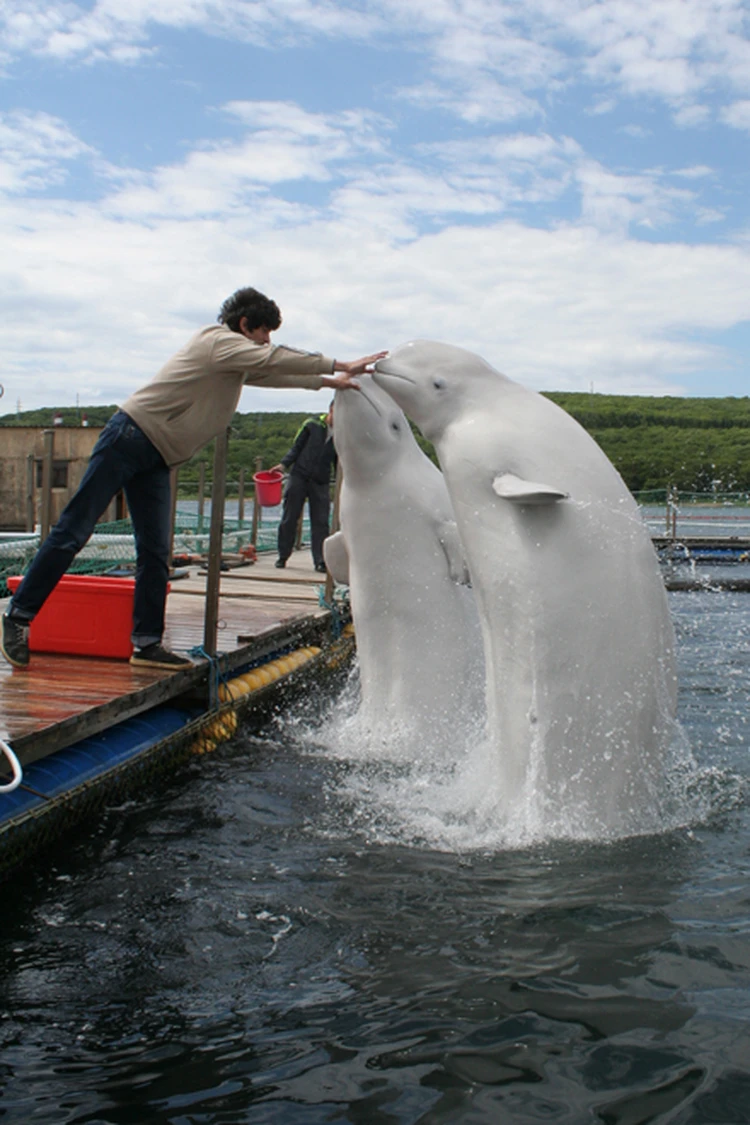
438 383
395 425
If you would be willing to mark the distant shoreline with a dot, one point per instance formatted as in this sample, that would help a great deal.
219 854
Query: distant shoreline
697 445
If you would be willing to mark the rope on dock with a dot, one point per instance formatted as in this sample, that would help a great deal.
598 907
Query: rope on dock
217 674
15 766
333 609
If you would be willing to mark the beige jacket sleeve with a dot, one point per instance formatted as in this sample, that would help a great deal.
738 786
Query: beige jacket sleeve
273 365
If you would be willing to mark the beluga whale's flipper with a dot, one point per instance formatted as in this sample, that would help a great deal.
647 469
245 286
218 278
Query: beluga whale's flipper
449 540
336 555
518 491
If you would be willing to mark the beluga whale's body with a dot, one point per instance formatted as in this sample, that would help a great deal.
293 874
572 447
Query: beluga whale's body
579 645
419 642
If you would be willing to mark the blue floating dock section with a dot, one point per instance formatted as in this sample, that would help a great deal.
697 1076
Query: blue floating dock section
63 785
71 785
718 553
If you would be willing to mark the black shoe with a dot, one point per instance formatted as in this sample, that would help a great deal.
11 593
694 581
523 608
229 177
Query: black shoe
15 641
155 656
321 568
280 563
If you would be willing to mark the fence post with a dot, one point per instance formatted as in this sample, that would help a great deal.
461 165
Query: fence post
30 486
241 498
201 493
218 493
47 459
174 479
256 506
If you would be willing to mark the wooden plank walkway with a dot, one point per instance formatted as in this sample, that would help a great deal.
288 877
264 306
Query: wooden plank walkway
60 699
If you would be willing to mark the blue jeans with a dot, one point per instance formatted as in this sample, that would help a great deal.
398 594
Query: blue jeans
123 458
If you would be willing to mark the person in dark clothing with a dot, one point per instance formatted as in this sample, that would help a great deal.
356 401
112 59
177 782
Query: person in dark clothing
310 462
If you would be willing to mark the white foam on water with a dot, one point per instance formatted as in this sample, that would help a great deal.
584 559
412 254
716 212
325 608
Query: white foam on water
394 789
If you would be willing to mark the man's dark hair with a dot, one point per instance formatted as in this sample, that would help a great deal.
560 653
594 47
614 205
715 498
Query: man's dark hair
260 311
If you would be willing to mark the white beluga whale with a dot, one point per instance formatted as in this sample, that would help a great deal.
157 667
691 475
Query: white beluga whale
579 646
419 644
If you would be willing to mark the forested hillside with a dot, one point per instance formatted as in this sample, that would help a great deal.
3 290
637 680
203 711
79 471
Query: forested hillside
693 444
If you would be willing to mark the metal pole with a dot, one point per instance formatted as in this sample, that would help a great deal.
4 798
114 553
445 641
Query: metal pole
30 485
201 493
218 494
241 498
174 481
49 453
256 506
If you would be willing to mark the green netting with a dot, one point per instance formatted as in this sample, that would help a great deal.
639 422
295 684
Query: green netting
662 496
112 546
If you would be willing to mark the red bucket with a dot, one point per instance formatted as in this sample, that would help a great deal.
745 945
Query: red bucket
268 488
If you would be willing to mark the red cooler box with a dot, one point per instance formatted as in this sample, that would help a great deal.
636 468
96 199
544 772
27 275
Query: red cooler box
85 615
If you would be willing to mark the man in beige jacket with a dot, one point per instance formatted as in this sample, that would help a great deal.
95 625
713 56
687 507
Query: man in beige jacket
162 425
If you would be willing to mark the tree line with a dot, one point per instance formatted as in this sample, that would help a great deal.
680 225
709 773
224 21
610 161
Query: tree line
692 444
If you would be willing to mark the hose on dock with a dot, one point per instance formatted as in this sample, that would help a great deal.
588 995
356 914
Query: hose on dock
15 766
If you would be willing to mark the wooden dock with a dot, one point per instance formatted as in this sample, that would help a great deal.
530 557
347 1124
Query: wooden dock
86 730
61 699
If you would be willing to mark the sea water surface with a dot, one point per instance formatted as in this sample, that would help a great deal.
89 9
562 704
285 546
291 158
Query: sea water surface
282 935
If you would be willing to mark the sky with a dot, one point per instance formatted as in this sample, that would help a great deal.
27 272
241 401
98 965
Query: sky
562 186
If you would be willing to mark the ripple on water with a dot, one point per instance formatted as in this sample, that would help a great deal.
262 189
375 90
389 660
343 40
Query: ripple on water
289 936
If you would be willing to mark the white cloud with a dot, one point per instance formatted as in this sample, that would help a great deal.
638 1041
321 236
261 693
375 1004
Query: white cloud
694 172
601 106
691 116
34 151
518 244
706 215
395 247
474 98
674 49
488 59
613 202
358 174
282 143
637 131
120 29
106 300
737 115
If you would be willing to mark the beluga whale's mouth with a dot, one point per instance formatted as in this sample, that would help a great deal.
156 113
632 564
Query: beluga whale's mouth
367 398
380 368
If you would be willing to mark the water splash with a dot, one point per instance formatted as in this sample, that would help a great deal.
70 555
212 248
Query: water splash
393 790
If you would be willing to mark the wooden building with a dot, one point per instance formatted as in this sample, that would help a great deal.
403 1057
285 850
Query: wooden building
22 452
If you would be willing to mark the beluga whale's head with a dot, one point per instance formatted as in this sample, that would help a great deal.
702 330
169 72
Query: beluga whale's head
433 382
370 431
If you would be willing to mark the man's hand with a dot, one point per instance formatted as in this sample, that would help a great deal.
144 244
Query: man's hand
358 366
339 382
349 370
